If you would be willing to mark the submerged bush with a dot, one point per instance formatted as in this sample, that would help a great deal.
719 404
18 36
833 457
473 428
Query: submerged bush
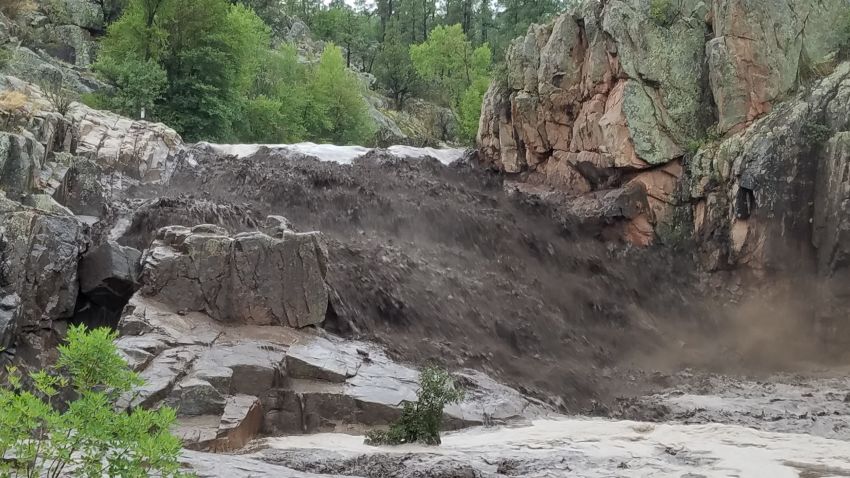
42 435
420 420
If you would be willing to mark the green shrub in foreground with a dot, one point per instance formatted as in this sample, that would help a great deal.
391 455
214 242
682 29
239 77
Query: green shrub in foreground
420 420
42 435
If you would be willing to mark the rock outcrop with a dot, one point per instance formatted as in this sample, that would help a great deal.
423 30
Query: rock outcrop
230 382
275 277
141 150
39 251
612 93
55 188
772 196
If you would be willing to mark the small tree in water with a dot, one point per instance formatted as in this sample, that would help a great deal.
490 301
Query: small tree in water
420 420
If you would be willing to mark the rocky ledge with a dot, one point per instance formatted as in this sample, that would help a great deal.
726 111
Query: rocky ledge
232 382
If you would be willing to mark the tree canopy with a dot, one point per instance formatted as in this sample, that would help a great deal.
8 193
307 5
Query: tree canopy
221 70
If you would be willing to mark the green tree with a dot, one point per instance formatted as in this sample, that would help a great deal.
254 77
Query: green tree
515 16
212 54
139 85
449 61
421 420
275 109
48 437
337 111
394 69
469 110
209 50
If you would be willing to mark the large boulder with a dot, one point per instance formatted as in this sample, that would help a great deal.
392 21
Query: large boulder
109 274
39 252
140 149
250 278
20 160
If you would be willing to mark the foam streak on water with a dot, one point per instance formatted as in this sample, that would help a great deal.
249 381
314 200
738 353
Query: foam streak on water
339 154
599 448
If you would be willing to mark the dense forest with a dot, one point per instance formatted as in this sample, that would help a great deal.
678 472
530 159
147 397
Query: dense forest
219 70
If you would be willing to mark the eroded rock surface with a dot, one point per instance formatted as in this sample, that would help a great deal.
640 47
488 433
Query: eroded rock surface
764 197
39 252
233 382
142 150
611 94
250 278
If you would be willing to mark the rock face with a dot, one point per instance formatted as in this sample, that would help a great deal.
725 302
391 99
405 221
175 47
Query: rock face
231 382
609 94
761 48
39 251
273 278
43 184
141 150
771 197
109 274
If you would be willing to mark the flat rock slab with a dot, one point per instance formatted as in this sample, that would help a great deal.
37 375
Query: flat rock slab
256 366
162 374
320 359
209 465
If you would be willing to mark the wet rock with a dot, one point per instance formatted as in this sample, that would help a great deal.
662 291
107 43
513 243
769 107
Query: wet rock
277 226
220 377
197 433
831 226
39 252
160 376
45 203
320 359
140 149
240 423
81 190
20 159
193 396
249 278
10 306
255 365
758 193
207 465
144 316
585 104
276 379
759 50
225 431
109 274
582 85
